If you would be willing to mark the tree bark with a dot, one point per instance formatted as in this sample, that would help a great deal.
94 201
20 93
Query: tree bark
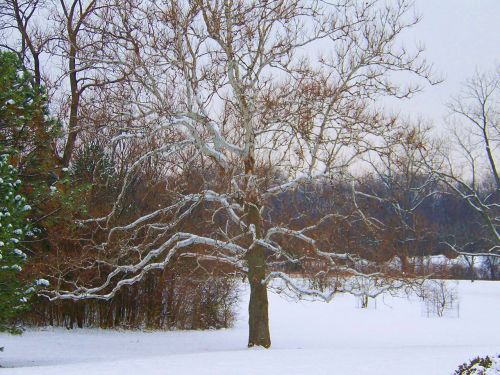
258 320
75 103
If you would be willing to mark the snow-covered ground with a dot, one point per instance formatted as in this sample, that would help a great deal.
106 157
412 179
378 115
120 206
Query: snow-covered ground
395 337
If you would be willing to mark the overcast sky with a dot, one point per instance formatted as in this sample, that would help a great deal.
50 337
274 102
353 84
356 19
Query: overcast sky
460 36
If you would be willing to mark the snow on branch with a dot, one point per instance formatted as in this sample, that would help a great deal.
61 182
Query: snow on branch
145 265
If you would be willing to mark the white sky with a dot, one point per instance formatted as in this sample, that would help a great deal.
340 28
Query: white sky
460 36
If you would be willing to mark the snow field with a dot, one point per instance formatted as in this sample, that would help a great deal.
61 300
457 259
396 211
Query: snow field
395 337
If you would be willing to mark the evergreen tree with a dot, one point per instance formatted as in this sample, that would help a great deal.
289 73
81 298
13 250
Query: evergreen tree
25 124
26 153
14 228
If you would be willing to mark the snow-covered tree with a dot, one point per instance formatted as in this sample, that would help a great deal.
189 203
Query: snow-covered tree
232 88
24 141
25 123
14 228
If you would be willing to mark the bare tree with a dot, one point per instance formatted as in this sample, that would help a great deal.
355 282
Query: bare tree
18 21
66 53
478 141
491 265
231 87
401 185
81 45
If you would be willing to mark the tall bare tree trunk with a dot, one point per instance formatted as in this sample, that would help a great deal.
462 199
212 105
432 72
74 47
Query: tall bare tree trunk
258 319
75 103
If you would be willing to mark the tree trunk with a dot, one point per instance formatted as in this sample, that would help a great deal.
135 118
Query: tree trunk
75 104
258 320
472 271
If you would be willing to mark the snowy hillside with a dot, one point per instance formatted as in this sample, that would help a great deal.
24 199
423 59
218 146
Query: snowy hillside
393 337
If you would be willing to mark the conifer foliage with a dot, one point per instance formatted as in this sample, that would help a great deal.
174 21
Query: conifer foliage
21 110
14 228
18 102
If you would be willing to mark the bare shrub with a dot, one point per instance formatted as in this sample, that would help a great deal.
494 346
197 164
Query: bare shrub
440 298
173 299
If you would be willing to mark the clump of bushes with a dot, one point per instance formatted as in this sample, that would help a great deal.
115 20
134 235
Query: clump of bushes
480 366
